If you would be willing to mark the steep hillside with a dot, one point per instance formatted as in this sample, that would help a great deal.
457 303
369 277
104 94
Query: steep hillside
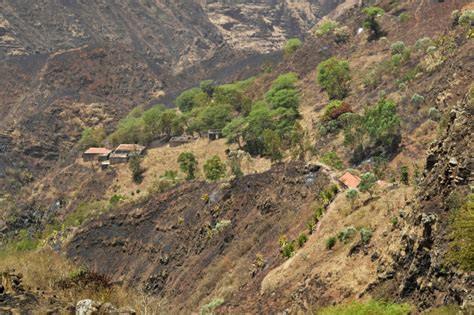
68 65
289 238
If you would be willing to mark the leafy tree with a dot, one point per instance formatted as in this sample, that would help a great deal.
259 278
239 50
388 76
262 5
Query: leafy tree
234 130
370 22
285 81
299 141
404 175
170 123
367 182
287 98
334 76
130 130
151 119
210 117
187 100
233 95
207 87
332 159
272 145
352 195
188 164
259 119
235 158
92 137
292 45
135 165
214 168
376 132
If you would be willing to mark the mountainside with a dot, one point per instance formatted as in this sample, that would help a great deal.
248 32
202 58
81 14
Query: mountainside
359 199
68 65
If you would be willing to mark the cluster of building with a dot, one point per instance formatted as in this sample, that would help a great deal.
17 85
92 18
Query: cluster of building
107 157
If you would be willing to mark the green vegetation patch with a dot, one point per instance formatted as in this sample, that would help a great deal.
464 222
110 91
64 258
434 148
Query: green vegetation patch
370 307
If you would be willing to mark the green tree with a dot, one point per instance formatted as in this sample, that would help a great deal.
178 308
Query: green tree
210 117
292 45
92 137
370 22
207 86
287 98
367 182
130 130
214 168
334 76
188 164
352 195
404 175
234 130
135 165
187 100
376 132
299 141
272 145
259 119
151 118
170 123
232 94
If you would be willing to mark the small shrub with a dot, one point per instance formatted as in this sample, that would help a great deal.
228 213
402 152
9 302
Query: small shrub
346 234
260 261
208 308
335 109
397 48
342 34
214 168
404 175
326 26
302 239
367 182
404 17
330 242
467 18
115 199
417 99
287 249
394 221
423 43
135 165
292 45
188 164
370 307
434 114
365 235
370 22
311 224
352 195
431 49
333 160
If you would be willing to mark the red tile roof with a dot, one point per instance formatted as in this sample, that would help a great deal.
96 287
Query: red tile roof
98 151
350 180
130 147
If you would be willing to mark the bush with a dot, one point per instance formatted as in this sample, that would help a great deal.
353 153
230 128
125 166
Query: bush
352 195
287 98
272 145
342 34
346 234
367 182
330 242
292 45
311 224
466 18
404 17
208 308
365 235
188 164
92 137
326 26
397 48
423 43
417 99
188 99
404 175
434 114
302 239
335 109
207 86
370 22
370 307
214 168
115 199
461 246
135 165
332 159
287 247
334 76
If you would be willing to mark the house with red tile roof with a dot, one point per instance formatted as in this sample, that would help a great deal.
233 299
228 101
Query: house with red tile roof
350 180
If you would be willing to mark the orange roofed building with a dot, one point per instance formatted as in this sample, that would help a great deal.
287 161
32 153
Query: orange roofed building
349 180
